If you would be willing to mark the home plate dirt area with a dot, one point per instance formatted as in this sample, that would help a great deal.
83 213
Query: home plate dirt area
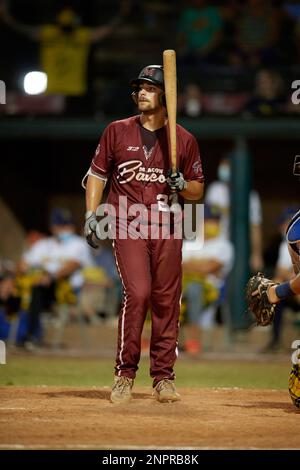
83 418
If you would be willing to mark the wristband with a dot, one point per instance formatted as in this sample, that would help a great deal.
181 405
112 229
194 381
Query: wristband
284 290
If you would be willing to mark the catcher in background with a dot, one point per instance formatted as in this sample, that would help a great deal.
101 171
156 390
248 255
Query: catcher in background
263 294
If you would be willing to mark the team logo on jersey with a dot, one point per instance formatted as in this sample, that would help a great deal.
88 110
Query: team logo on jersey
147 152
197 166
134 170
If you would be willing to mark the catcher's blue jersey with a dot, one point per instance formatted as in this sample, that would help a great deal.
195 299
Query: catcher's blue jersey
293 230
293 240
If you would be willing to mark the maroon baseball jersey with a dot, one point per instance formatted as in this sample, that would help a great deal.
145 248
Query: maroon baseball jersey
137 164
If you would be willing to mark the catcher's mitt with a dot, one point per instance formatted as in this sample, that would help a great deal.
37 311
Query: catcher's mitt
257 299
294 385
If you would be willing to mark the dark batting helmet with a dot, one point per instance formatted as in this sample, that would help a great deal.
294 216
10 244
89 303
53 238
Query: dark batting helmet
153 74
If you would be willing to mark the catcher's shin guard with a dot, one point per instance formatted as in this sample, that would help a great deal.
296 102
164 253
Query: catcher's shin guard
294 385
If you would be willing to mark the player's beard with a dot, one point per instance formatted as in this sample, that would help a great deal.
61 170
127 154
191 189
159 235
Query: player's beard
147 107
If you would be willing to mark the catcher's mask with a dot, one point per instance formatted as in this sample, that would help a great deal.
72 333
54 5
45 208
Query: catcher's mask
153 74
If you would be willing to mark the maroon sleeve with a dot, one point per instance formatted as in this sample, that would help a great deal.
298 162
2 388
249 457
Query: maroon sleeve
191 163
102 162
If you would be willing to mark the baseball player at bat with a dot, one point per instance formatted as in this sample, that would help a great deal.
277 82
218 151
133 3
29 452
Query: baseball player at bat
133 156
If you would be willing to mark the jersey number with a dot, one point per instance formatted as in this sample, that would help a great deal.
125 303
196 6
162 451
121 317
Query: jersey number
162 202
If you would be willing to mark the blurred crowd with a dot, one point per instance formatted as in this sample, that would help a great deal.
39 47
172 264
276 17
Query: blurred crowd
235 57
60 278
250 33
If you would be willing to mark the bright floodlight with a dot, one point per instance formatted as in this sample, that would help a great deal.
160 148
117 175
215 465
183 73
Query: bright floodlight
35 83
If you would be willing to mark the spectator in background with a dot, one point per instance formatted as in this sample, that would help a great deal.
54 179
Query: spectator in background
205 270
269 98
199 32
258 30
65 46
218 195
55 263
190 101
9 298
283 272
32 237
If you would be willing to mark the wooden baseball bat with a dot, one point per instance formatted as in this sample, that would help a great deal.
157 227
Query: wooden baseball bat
170 79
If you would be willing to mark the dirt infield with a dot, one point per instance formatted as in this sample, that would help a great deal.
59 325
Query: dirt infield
83 418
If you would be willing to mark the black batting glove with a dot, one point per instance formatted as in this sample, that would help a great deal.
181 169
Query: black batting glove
90 227
176 181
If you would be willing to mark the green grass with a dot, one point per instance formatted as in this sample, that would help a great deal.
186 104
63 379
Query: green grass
86 372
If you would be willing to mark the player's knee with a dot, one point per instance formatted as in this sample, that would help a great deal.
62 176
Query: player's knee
142 294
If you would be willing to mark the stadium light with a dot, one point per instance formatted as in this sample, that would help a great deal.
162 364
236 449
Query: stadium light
35 83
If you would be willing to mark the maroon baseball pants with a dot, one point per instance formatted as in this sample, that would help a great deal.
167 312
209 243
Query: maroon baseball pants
150 271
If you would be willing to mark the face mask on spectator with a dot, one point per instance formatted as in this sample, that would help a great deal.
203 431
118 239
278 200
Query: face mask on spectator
224 173
64 236
193 107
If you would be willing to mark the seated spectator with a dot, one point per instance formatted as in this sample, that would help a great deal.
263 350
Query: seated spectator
9 298
258 30
200 32
218 195
54 263
32 237
269 98
205 270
